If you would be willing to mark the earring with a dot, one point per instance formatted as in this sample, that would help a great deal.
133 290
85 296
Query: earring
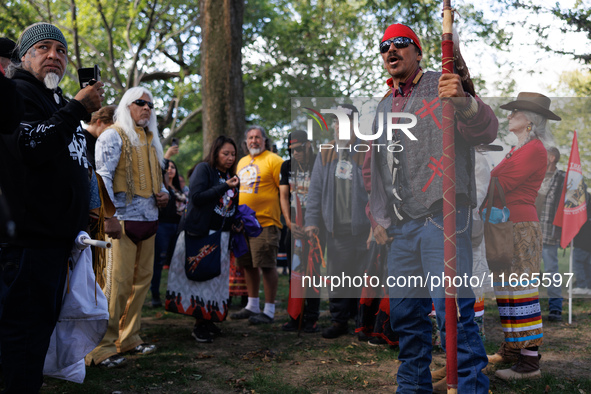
529 127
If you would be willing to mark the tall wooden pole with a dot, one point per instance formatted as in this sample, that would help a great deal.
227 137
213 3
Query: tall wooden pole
449 206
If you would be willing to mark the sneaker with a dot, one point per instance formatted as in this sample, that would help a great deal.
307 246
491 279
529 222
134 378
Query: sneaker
202 334
581 291
260 318
335 331
113 361
144 348
212 328
242 314
555 315
361 337
311 327
290 326
156 303
377 341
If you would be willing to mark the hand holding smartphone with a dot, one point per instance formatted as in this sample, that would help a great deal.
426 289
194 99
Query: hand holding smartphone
89 76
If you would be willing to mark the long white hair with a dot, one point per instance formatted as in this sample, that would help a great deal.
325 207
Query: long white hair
123 118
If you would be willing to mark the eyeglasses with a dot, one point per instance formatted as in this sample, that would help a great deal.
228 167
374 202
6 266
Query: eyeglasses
513 112
141 103
399 42
298 148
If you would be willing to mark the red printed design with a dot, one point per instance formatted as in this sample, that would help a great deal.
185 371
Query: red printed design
429 109
437 167
203 252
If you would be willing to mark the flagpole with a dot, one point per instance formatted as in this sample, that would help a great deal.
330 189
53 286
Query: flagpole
570 284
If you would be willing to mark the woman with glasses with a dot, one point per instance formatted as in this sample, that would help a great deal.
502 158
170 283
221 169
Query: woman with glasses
520 175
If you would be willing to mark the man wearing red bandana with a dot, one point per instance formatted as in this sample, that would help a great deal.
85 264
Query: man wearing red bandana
406 204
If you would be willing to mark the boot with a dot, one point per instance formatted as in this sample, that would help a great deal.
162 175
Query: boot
336 330
528 367
440 387
505 354
438 374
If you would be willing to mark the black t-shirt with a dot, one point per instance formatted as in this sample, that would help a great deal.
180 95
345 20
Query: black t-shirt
224 208
298 180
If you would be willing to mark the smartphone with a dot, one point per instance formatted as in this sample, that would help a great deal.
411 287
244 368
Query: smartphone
85 75
174 142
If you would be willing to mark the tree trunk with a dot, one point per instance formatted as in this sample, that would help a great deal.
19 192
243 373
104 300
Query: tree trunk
221 70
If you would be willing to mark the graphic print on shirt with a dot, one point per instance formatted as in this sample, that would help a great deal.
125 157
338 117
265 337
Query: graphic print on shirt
299 185
249 179
225 206
78 148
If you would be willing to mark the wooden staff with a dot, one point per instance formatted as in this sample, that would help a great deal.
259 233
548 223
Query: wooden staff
449 205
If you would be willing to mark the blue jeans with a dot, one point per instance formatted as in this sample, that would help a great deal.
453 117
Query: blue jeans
417 249
550 257
582 268
164 236
32 287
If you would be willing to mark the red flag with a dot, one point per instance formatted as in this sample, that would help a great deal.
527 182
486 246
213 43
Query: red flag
572 208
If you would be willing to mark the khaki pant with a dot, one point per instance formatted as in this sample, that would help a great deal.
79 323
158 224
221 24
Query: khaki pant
128 276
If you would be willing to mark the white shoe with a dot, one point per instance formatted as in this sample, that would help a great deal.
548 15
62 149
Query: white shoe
581 291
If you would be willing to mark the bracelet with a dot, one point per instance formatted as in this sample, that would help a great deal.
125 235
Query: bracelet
470 110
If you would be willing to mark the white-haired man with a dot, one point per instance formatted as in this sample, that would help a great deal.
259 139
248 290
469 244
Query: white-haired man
259 190
129 158
44 176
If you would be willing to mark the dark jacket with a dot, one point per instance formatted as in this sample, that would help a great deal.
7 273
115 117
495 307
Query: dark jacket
11 106
320 208
43 167
204 194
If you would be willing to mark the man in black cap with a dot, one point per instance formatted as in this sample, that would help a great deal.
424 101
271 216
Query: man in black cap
294 182
11 106
6 51
44 176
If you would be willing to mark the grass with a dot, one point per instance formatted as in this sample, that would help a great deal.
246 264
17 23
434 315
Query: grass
264 359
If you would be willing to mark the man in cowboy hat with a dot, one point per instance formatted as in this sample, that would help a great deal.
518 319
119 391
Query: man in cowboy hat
406 203
44 175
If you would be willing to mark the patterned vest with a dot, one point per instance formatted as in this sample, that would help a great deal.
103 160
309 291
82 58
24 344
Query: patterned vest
413 178
138 172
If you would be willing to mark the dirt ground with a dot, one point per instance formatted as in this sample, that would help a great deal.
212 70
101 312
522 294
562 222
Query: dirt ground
255 359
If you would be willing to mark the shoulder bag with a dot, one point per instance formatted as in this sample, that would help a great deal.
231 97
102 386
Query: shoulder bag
498 237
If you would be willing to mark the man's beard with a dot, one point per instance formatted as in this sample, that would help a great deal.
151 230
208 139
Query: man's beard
51 80
143 122
254 151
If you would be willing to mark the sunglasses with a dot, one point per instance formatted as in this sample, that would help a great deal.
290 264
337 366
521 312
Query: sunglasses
399 42
513 112
141 103
298 148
